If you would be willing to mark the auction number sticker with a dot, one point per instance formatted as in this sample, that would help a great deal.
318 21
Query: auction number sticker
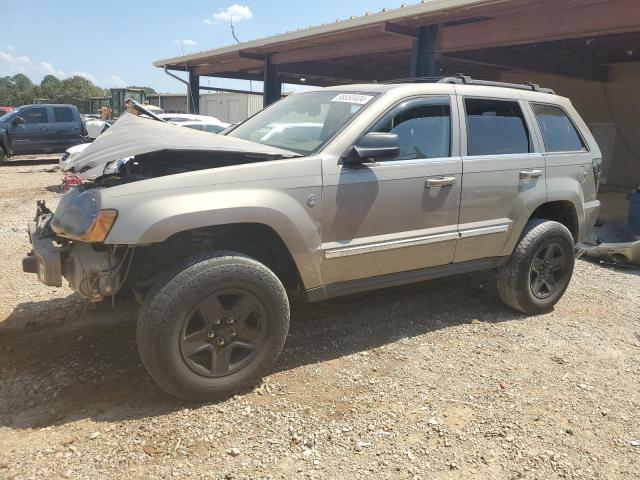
352 98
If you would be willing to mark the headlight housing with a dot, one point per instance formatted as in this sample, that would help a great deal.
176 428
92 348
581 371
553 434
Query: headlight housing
78 217
113 168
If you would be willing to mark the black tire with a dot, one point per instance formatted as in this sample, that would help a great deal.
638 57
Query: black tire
540 268
199 292
3 155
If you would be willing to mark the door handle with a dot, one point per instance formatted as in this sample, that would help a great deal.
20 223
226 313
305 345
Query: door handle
440 182
44 129
530 173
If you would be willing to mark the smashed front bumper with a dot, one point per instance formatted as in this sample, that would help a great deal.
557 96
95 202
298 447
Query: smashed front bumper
46 257
88 268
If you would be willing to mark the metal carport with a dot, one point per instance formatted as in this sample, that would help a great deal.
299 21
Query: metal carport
579 47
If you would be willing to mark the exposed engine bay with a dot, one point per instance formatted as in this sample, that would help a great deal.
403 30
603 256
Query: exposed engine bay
169 162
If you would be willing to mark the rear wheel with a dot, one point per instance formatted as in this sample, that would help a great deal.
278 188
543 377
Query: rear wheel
540 268
3 156
214 327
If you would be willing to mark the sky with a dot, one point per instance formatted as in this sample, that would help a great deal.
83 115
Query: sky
114 43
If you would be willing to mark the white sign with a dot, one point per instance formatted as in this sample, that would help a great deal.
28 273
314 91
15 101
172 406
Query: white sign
352 98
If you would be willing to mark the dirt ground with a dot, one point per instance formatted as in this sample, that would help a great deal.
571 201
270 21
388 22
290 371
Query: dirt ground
434 380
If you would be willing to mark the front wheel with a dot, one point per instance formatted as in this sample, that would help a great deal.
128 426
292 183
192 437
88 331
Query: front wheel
214 328
540 268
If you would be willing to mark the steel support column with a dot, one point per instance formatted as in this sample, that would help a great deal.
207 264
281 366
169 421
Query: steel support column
425 61
272 85
193 95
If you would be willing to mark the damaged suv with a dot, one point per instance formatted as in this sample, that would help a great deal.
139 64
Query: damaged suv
388 184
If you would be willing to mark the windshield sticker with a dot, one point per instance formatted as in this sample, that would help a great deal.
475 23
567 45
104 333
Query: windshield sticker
352 98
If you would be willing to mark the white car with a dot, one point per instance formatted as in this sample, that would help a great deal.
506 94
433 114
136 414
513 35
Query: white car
197 122
68 157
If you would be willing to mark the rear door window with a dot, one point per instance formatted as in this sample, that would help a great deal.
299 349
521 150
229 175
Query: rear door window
495 127
63 114
35 115
558 131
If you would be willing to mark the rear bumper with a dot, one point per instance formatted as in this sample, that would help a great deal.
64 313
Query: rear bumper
591 212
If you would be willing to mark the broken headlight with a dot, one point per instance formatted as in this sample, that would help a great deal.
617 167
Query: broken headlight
78 217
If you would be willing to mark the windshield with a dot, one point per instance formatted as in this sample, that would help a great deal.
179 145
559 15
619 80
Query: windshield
303 122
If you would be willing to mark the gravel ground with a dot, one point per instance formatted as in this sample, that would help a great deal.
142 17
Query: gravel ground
434 380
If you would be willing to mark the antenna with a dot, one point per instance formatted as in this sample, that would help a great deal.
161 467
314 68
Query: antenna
233 30
235 37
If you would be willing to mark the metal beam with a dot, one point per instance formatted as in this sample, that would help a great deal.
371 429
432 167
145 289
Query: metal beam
252 56
193 97
272 85
396 29
563 22
425 61
518 60
231 63
332 70
230 90
385 43
238 75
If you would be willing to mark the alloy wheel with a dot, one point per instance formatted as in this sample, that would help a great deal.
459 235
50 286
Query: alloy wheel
548 271
223 333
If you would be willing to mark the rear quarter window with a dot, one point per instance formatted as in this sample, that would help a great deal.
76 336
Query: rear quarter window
558 131
63 114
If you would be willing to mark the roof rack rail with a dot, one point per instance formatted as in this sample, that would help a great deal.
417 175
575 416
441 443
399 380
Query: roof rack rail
461 79
413 80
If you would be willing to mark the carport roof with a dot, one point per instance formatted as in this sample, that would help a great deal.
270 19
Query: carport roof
405 12
477 37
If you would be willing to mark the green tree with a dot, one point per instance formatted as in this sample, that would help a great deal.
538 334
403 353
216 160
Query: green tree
77 90
6 87
50 86
17 90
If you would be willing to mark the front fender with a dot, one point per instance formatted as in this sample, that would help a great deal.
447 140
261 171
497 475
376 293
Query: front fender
154 217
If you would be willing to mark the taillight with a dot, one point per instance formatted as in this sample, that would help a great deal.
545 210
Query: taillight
597 170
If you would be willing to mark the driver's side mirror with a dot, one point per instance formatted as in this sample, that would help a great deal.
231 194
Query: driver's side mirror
374 146
18 121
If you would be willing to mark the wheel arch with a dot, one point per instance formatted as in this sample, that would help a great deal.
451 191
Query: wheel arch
256 240
561 211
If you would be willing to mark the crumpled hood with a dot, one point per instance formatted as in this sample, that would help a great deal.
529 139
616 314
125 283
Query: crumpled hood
132 135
